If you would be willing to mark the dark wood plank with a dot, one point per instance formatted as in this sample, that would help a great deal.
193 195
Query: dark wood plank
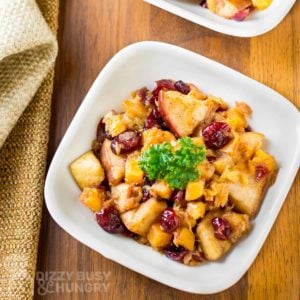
90 33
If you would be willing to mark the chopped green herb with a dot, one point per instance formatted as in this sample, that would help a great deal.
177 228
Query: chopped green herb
177 167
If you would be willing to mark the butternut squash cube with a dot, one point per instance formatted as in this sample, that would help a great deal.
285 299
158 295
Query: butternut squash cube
261 4
156 136
114 124
133 173
184 237
157 237
194 190
93 198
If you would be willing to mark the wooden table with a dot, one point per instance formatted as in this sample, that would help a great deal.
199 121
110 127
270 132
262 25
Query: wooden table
90 33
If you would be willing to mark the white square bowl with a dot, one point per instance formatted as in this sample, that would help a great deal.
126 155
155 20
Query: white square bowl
257 23
139 65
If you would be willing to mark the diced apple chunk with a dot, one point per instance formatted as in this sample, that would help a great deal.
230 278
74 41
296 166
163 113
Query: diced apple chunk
126 196
161 189
139 220
87 170
250 142
248 198
114 165
212 247
239 224
194 190
157 237
93 198
184 237
182 113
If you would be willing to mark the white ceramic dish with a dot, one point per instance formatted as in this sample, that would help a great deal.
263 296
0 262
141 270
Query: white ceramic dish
257 23
139 65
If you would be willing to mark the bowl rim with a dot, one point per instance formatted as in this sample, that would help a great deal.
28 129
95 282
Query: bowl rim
200 20
109 251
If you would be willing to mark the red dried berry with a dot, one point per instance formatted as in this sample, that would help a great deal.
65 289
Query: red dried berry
211 158
148 181
182 87
169 221
109 219
260 172
241 15
101 133
216 135
203 3
142 93
175 253
163 84
146 194
151 121
155 119
222 228
126 142
178 196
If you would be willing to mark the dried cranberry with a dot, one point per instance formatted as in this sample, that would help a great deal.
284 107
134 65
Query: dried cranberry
175 253
211 158
182 87
248 129
128 233
203 3
155 119
216 135
109 219
151 121
148 181
146 194
96 147
178 196
241 15
105 184
163 84
169 221
125 142
143 95
101 133
261 171
221 227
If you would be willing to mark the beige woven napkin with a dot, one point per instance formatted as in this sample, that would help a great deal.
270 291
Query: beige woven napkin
27 52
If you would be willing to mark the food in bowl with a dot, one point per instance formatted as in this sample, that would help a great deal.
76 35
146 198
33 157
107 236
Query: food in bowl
235 9
178 170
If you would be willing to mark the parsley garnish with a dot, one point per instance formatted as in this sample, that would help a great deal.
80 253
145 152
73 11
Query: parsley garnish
177 167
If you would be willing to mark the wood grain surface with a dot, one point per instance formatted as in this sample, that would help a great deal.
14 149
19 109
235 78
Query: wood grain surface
90 33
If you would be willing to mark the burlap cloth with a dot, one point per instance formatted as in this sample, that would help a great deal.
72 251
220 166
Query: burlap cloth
27 53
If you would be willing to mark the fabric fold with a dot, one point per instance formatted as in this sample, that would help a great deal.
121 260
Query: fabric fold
27 52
